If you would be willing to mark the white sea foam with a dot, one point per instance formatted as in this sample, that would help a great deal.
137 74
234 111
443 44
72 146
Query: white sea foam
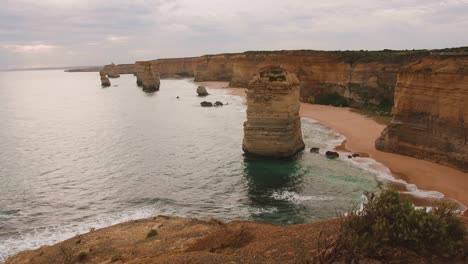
55 234
297 198
378 169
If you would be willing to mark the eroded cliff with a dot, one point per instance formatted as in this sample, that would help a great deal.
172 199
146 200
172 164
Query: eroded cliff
363 78
431 112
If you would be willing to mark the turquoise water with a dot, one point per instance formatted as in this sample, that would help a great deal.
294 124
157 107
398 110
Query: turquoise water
77 156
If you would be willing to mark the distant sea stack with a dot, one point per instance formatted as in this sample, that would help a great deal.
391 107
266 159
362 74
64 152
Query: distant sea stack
273 126
148 76
105 82
431 112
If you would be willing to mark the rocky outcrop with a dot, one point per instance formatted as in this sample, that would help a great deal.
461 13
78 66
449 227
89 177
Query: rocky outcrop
105 82
201 91
148 75
273 126
431 112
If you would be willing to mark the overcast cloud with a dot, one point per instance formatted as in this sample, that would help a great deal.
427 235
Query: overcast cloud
93 32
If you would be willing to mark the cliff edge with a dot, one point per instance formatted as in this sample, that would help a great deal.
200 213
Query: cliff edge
430 114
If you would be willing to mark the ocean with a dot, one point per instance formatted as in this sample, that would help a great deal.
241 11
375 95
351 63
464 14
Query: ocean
75 156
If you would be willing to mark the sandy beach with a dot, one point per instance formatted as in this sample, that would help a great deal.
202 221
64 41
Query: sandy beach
361 133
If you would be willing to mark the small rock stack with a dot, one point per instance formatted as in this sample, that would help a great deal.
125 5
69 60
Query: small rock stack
147 77
273 126
104 80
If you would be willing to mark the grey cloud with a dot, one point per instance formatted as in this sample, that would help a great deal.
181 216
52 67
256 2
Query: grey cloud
97 32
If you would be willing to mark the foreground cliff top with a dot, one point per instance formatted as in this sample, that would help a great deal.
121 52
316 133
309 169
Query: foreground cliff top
188 240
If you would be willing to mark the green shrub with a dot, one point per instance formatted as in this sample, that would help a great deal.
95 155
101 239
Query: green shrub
82 256
392 221
152 233
184 74
116 257
334 99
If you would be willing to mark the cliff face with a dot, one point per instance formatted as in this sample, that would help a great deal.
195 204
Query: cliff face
320 73
179 67
431 112
273 126
117 69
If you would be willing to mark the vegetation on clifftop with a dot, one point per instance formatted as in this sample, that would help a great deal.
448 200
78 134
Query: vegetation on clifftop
389 225
355 56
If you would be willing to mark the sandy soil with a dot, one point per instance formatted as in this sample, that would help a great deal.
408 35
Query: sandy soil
361 133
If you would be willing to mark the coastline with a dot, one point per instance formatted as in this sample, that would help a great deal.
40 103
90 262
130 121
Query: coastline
361 132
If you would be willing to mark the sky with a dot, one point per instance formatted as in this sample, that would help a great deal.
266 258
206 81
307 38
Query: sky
48 33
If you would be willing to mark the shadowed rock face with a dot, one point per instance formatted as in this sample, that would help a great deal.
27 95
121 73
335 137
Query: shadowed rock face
273 126
147 76
431 112
104 80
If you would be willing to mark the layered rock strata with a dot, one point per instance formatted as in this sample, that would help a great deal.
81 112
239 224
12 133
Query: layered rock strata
148 76
273 126
431 112
363 78
117 69
105 82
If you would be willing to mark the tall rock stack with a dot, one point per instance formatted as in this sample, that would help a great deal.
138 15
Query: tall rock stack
104 80
431 112
273 126
147 76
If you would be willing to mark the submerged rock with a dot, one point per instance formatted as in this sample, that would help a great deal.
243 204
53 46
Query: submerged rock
206 104
201 91
273 126
218 103
332 154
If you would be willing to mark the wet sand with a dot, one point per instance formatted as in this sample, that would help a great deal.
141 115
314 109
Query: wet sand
361 133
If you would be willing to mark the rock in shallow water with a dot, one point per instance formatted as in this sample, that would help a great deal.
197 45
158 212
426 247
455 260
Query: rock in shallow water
201 91
332 154
105 82
314 150
206 104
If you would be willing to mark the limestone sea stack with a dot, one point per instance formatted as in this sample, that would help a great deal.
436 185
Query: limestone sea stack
148 76
430 115
104 80
273 126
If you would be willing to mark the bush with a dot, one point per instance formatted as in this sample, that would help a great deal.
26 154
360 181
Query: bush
152 233
82 256
184 74
334 99
116 257
390 221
